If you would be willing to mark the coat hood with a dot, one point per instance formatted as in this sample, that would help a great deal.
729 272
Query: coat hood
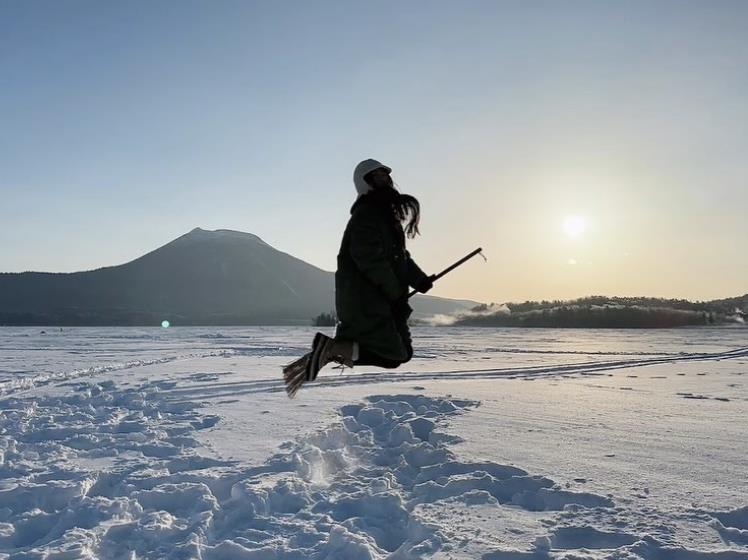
366 166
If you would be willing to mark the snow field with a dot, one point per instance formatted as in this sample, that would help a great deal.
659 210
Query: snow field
187 459
352 490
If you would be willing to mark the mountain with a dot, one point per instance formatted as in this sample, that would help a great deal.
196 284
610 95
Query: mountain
204 277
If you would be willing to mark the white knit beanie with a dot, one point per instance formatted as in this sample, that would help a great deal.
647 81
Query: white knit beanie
366 166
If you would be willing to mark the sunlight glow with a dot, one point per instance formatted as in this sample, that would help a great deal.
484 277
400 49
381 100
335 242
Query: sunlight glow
575 226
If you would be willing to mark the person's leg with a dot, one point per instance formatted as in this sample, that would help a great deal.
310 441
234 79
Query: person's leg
326 350
366 357
369 358
342 351
349 353
404 332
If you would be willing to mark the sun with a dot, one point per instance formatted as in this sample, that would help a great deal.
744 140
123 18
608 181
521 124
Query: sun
574 226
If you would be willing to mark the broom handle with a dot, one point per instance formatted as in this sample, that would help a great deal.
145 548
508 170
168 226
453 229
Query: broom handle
451 268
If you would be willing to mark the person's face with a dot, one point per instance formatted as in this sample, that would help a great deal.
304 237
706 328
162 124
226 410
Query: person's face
380 178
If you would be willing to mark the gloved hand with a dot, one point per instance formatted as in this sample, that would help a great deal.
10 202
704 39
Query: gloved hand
401 310
426 284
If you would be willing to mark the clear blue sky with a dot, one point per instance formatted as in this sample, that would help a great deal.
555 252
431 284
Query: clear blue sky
126 124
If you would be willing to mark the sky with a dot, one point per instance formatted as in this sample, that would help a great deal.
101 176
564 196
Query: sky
589 147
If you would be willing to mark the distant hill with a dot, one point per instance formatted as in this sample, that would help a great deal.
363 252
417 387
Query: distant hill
607 312
204 277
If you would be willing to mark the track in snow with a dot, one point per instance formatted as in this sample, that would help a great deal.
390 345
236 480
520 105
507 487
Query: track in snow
272 385
109 471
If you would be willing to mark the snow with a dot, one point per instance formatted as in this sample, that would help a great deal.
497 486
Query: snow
492 443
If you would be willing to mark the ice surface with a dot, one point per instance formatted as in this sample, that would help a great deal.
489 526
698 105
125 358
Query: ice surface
492 443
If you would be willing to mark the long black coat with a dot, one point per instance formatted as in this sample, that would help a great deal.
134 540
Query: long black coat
374 271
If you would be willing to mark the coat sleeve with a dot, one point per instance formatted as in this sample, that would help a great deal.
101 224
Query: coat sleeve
368 252
415 274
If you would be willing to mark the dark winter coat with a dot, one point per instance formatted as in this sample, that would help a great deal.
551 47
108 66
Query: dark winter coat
374 271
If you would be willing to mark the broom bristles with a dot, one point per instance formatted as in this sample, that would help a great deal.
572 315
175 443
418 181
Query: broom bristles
294 375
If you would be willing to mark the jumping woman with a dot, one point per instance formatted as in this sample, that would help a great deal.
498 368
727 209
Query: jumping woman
371 282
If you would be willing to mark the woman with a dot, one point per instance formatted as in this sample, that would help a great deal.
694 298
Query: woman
371 282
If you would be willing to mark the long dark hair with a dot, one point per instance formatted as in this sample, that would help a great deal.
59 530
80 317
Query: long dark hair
408 212
405 208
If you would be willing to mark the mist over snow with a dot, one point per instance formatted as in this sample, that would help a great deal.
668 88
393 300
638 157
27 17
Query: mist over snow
483 310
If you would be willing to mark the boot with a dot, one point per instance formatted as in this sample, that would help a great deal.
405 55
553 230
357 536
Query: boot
326 350
306 368
342 352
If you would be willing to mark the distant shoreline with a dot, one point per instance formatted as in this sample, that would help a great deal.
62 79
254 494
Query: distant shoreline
416 325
